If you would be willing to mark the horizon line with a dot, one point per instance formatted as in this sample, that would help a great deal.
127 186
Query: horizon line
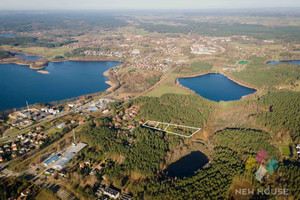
148 9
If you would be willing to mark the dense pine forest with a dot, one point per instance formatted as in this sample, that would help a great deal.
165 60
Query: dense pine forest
178 109
228 164
116 142
281 112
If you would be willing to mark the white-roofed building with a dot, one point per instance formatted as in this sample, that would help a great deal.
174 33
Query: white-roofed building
71 151
64 161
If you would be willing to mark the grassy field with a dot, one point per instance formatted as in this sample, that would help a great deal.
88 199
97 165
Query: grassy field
168 86
40 51
164 89
46 194
11 131
285 149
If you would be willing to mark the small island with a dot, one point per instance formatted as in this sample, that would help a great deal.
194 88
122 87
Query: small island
43 72
9 57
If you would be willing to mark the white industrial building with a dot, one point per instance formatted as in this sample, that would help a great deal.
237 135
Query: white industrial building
71 151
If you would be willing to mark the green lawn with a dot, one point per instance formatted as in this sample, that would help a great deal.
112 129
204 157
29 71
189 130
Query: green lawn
285 149
46 194
167 89
168 86
11 131
242 62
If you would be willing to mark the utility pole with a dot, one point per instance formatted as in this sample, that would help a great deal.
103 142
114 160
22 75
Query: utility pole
74 137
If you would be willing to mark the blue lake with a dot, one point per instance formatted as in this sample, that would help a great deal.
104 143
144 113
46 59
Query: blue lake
296 62
66 80
216 87
28 57
7 34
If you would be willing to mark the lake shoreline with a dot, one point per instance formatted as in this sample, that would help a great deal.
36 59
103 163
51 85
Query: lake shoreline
37 65
206 73
268 62
24 62
113 84
229 77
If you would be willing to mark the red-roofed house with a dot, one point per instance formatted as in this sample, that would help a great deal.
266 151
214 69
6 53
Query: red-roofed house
81 165
99 167
117 125
131 126
26 192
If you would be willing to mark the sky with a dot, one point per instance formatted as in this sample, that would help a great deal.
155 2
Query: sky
142 4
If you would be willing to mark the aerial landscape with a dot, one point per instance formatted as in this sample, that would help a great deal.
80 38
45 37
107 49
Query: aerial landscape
150 100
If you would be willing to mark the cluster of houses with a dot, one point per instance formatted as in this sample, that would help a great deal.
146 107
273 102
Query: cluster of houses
93 169
96 105
201 49
76 104
23 144
27 117
111 193
50 111
130 113
149 63
118 54
158 67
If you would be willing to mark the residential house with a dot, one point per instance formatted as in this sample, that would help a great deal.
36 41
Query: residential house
14 148
26 192
82 165
117 125
61 125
